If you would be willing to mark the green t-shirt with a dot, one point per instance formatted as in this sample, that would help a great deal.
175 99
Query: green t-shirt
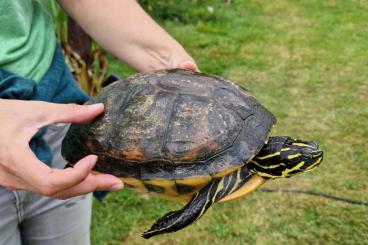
27 38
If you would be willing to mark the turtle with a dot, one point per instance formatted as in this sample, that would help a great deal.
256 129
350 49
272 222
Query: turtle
187 136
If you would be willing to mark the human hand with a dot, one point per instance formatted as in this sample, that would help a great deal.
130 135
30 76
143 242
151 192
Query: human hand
20 168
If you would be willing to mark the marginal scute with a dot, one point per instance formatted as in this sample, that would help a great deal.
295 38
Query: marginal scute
135 184
185 189
154 188
171 131
133 154
196 182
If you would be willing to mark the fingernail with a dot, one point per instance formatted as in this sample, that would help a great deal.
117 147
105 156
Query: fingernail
188 65
92 161
117 186
96 106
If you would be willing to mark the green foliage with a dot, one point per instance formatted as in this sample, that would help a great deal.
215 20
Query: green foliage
187 12
60 18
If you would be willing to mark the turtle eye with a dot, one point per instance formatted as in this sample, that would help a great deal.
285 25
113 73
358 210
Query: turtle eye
307 155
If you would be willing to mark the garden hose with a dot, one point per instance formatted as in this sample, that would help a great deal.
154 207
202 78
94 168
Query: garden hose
321 194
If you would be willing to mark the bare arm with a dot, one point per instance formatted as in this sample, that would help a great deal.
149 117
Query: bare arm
124 29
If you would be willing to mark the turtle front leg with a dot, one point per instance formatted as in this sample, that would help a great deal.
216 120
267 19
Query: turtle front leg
198 205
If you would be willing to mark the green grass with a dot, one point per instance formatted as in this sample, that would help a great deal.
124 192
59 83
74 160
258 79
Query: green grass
307 62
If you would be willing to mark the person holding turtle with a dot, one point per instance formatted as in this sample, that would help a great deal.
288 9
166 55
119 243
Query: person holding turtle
37 196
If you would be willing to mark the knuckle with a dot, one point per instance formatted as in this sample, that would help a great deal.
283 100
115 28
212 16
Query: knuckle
41 118
48 189
8 162
80 176
13 187
74 107
9 185
47 192
5 161
38 115
60 196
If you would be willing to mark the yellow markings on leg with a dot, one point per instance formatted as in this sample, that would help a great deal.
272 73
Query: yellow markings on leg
226 172
236 182
250 186
285 149
266 175
219 186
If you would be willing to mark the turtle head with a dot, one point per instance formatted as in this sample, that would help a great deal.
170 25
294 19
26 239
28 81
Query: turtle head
283 156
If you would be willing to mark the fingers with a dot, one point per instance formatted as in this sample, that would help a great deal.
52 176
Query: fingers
45 180
19 166
61 179
63 183
90 184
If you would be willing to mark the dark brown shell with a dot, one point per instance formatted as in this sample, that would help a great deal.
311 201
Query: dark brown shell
171 124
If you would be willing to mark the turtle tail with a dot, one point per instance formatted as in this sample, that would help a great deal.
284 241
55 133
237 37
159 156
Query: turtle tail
198 205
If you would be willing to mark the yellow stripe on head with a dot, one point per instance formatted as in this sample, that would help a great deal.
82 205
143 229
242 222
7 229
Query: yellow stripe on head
269 156
286 172
311 167
266 175
303 145
294 156
268 166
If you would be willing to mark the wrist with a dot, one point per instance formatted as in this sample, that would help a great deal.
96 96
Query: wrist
164 57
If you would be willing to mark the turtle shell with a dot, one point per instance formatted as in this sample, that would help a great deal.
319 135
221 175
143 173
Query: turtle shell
171 125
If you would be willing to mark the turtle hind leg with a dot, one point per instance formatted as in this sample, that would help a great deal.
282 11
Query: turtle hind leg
195 208
176 220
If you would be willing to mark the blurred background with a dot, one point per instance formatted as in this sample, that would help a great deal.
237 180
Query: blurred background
306 61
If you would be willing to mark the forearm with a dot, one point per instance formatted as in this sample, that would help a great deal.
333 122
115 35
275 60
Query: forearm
125 30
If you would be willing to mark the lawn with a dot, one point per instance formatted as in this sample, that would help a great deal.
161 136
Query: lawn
307 62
